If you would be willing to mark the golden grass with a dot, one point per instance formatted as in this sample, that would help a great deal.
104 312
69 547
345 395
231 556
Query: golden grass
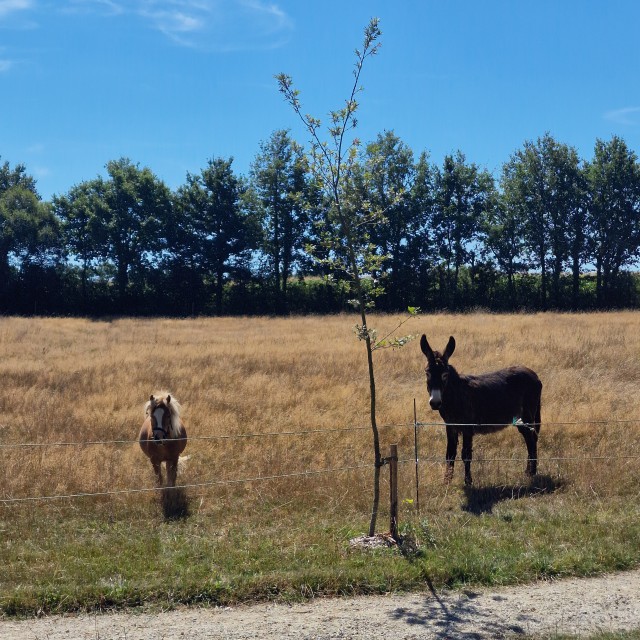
242 380
79 380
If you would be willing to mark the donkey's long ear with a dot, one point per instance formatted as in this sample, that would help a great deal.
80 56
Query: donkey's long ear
426 349
450 348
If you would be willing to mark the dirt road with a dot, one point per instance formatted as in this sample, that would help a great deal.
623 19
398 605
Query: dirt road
609 603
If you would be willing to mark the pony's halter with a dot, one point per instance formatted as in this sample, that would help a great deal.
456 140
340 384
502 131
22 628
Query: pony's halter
159 426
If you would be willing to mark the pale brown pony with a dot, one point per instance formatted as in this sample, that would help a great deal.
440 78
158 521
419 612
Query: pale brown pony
163 436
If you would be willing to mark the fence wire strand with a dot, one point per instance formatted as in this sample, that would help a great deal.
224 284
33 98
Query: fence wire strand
429 461
195 485
266 434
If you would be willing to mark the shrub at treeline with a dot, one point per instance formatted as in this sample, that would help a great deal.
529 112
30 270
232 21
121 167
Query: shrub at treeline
552 231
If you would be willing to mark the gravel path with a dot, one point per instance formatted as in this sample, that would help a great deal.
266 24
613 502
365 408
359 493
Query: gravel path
579 606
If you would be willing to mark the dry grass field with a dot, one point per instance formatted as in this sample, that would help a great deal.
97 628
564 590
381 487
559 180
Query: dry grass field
245 385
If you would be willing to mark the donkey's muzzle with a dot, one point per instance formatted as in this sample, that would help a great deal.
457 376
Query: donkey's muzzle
435 399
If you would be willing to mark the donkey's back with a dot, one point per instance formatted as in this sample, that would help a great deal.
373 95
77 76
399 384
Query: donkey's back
500 397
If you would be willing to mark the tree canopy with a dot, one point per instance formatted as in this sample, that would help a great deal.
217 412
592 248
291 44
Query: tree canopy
553 230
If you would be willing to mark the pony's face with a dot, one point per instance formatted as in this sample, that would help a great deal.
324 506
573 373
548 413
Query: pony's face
437 370
160 415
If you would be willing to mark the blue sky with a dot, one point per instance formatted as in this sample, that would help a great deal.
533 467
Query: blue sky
173 83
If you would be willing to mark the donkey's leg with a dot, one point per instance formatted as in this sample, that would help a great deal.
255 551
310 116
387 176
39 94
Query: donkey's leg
530 436
452 451
467 454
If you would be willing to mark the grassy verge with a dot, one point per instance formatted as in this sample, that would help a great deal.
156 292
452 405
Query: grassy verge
69 560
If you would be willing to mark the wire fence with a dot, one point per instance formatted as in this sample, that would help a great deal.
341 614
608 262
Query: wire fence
195 485
266 434
429 460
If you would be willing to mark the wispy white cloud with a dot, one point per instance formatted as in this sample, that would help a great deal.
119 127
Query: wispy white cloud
36 148
180 22
219 25
626 116
211 25
18 14
7 62
11 6
41 172
101 7
14 14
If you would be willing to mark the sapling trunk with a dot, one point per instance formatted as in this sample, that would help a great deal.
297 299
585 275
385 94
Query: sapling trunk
333 164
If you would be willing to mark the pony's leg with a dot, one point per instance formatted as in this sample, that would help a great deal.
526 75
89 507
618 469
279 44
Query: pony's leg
530 435
467 454
157 468
452 451
172 472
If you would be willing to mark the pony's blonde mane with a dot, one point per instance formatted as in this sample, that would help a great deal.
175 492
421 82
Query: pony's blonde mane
174 410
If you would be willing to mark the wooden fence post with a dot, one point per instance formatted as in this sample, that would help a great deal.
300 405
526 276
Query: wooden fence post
415 451
393 491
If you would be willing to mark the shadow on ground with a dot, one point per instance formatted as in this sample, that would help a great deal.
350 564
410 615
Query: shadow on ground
483 499
175 504
463 618
461 615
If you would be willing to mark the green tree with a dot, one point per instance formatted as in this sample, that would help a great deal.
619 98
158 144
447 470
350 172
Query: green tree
12 181
613 178
217 228
279 181
543 180
420 253
576 211
185 261
16 177
389 175
137 208
336 165
504 238
463 195
82 212
29 232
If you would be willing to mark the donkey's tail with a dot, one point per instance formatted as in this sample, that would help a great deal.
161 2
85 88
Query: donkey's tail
538 419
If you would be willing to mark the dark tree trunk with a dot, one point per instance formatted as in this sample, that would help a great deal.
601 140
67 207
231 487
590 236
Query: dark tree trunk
219 287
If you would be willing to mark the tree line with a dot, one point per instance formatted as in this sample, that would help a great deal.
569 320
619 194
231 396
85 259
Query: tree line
552 231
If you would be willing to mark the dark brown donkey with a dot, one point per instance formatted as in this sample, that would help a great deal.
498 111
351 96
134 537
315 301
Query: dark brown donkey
163 436
482 404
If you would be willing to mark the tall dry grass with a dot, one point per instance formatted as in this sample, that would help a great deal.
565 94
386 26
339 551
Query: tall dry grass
77 380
